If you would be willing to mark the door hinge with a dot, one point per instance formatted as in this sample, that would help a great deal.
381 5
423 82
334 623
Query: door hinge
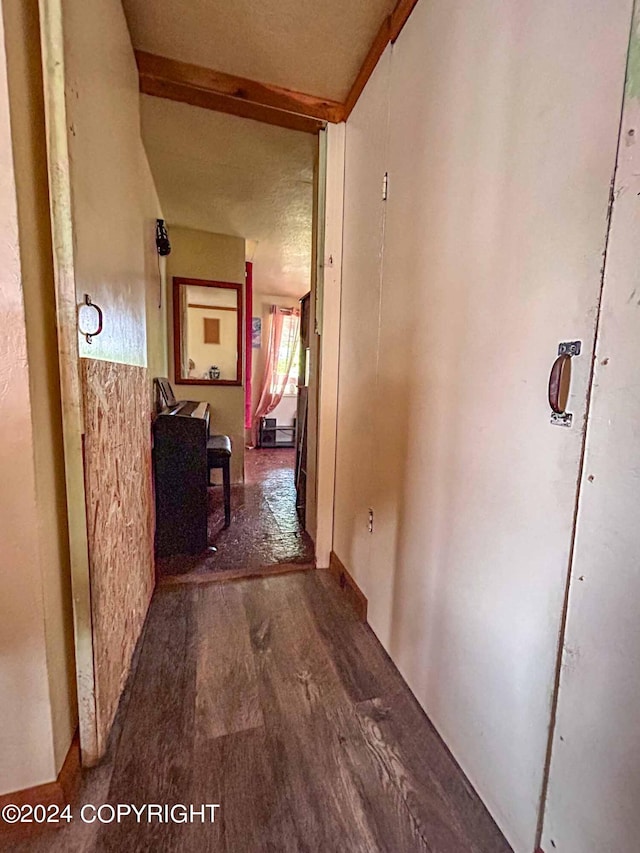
385 186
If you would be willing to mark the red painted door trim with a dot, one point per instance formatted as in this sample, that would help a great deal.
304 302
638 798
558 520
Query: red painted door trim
248 352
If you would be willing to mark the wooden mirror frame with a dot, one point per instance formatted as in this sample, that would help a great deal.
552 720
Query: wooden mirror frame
177 331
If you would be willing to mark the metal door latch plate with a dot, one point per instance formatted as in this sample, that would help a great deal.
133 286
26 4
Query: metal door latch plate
563 419
570 348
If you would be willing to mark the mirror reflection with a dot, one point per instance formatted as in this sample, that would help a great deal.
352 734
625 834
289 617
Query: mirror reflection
208 332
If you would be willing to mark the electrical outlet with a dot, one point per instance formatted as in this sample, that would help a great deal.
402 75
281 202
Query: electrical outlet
370 524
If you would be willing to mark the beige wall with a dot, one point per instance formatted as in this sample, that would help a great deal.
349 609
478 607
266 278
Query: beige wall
156 299
37 694
113 195
212 257
360 322
456 293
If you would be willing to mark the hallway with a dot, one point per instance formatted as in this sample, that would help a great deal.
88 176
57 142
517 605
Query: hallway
269 698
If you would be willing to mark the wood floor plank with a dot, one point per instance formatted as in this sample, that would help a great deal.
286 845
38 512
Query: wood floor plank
270 698
436 790
255 814
335 792
292 677
226 686
445 809
154 755
355 650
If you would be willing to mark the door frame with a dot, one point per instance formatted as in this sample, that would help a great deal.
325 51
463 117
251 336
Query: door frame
329 217
53 72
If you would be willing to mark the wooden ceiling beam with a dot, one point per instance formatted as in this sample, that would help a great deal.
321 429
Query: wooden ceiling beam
400 16
226 93
204 87
389 31
224 104
371 60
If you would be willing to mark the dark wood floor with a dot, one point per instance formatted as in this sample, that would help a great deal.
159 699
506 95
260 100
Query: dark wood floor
268 697
265 529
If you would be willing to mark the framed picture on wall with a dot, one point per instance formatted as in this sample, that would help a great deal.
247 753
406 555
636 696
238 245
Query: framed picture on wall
256 332
211 330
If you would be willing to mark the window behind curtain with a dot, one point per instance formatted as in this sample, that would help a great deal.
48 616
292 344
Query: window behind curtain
289 342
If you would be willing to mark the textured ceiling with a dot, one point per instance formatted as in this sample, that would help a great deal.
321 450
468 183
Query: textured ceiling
230 175
311 46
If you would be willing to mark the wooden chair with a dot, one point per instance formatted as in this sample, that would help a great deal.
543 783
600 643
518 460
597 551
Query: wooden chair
219 456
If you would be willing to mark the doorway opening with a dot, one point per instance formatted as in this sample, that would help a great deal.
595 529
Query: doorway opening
267 526
275 456
263 531
252 223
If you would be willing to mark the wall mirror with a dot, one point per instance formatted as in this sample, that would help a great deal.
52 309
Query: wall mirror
207 332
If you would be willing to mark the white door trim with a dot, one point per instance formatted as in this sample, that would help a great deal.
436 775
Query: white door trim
52 44
328 306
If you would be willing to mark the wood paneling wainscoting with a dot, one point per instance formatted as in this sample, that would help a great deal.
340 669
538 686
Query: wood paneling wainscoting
117 450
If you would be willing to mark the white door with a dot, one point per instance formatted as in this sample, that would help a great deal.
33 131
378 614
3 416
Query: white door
594 783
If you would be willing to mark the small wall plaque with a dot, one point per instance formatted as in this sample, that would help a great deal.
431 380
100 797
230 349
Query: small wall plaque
211 330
